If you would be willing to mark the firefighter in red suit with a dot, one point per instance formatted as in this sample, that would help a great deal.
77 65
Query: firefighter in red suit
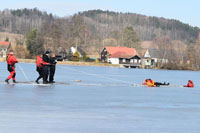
11 60
39 67
190 84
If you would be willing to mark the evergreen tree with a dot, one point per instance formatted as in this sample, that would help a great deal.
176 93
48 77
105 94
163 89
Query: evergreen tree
7 39
69 54
34 42
130 37
84 56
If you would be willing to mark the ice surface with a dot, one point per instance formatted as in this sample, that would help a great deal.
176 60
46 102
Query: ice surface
105 101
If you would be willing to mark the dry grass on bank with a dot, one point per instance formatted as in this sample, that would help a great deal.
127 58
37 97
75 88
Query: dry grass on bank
68 62
2 59
86 63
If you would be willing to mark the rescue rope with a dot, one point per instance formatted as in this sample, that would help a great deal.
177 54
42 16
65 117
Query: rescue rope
122 81
97 75
22 70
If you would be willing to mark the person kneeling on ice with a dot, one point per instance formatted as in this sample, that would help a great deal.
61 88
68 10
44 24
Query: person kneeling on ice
190 84
11 60
152 83
39 69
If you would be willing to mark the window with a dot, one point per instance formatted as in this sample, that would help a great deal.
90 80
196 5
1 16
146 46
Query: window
131 61
124 60
135 60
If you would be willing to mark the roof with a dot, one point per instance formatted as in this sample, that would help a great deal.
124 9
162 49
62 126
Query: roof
121 52
143 52
161 53
80 51
156 53
4 44
120 55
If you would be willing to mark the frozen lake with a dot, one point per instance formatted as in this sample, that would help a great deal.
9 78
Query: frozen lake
104 102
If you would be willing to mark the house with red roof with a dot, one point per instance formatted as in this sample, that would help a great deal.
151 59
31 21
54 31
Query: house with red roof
125 56
4 46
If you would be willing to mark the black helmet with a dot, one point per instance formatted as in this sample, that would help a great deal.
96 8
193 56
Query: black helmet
48 52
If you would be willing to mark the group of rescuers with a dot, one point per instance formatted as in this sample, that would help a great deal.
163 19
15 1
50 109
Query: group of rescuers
45 66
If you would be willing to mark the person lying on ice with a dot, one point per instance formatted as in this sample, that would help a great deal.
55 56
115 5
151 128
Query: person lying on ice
39 69
11 60
190 84
152 83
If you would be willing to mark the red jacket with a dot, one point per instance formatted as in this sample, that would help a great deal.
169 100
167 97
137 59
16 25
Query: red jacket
190 84
11 60
39 61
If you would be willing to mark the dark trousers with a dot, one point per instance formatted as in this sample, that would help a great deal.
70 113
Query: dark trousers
52 73
40 72
45 72
11 69
159 84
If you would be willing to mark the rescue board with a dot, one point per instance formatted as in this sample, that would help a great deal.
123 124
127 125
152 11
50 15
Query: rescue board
162 86
24 83
34 83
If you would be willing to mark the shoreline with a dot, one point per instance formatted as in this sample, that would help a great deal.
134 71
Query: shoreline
91 64
69 63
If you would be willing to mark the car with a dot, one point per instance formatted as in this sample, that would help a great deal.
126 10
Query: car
59 58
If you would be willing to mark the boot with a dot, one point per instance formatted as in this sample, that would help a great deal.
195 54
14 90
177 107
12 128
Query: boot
7 80
37 81
51 81
14 81
45 82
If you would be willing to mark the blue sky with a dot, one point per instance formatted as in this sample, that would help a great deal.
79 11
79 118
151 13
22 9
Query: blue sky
186 11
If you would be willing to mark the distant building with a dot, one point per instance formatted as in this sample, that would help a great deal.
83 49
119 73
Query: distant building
4 46
75 53
125 56
75 50
61 54
153 57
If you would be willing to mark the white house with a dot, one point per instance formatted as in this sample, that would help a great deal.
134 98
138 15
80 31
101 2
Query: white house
121 55
4 46
76 49
154 56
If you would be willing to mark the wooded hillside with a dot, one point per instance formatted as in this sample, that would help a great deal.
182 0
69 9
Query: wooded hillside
22 20
101 22
147 27
93 30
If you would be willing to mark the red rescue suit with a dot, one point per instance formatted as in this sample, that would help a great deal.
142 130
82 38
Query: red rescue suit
190 84
39 61
39 67
11 60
